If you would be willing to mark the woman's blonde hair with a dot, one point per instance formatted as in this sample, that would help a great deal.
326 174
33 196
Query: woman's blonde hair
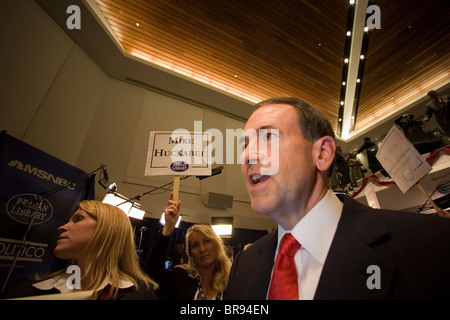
223 264
111 252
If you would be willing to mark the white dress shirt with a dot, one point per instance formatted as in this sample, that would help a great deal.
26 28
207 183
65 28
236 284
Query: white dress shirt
315 233
59 282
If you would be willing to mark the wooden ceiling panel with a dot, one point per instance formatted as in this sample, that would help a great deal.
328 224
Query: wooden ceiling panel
259 49
407 56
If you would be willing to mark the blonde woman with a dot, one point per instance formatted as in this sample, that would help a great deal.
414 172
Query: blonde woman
205 276
99 240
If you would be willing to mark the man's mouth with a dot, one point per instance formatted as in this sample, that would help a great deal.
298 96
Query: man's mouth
257 178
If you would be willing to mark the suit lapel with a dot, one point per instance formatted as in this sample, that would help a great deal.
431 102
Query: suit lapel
251 270
345 274
266 254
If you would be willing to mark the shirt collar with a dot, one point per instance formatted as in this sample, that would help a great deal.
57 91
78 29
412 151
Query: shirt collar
59 282
315 231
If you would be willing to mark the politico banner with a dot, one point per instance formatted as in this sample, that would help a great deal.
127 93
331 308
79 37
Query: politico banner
38 194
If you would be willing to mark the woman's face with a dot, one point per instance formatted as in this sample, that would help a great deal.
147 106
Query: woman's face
202 250
75 235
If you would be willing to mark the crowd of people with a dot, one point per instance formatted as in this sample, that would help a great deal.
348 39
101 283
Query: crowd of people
347 171
322 248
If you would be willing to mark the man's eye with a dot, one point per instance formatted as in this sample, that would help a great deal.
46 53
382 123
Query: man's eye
269 135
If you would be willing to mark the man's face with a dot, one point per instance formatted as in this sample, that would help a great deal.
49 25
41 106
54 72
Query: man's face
289 188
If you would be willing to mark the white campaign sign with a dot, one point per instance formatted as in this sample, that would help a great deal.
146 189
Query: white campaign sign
178 152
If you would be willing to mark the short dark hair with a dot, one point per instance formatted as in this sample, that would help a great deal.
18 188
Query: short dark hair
313 123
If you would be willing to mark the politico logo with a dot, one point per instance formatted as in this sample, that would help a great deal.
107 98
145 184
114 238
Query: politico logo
11 249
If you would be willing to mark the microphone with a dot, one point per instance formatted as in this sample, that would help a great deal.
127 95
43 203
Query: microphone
214 171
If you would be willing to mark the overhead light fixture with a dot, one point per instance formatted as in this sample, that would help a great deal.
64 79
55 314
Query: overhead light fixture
222 226
131 209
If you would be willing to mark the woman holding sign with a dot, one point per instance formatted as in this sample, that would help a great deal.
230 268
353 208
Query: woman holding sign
204 276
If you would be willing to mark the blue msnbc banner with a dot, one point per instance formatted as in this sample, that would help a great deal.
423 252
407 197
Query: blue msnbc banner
38 193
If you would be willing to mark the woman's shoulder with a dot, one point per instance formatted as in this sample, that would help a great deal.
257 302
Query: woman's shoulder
141 291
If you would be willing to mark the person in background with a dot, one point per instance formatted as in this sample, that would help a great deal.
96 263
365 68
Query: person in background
331 246
413 129
440 106
99 240
371 150
204 276
355 167
178 256
342 167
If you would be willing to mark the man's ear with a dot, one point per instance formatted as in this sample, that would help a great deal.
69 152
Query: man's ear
326 148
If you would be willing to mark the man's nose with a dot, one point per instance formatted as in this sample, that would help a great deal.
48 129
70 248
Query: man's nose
250 154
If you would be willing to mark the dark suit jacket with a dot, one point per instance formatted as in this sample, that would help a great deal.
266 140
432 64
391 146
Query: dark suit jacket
412 252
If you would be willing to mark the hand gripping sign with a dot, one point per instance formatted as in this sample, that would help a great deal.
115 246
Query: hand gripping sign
177 153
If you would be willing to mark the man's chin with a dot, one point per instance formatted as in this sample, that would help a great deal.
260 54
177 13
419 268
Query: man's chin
261 207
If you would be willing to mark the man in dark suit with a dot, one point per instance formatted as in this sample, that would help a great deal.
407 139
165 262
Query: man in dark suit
348 250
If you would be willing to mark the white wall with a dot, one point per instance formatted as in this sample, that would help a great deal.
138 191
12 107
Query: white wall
57 99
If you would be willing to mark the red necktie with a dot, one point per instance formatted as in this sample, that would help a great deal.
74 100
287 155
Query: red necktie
284 285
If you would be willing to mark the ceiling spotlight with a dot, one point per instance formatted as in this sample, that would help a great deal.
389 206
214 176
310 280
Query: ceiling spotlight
349 33
362 57
344 83
346 60
366 29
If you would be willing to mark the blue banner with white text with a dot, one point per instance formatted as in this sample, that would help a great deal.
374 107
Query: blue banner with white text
38 193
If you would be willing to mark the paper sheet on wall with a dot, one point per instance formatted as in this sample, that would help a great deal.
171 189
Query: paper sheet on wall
401 160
